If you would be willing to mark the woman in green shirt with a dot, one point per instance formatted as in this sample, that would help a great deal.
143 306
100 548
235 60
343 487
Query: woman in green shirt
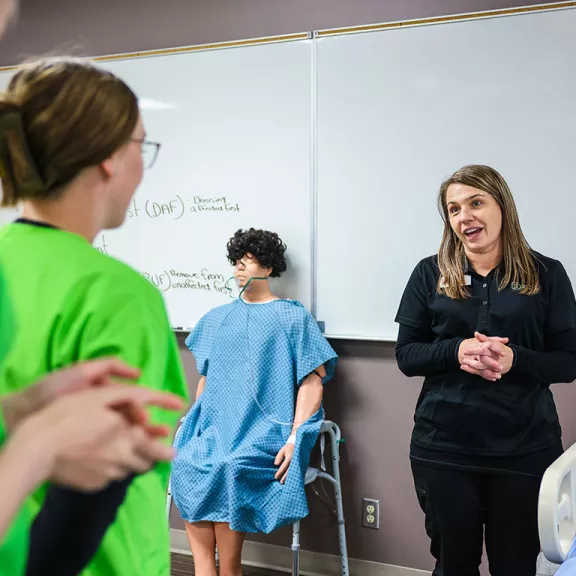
72 150
85 439
25 461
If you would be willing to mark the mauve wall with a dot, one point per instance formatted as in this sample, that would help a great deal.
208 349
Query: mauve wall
371 400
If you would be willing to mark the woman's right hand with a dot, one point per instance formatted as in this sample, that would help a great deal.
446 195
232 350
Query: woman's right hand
488 364
87 439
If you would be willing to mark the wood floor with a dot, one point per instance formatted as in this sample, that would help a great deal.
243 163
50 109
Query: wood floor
183 566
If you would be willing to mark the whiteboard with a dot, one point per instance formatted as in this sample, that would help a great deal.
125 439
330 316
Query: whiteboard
236 132
340 144
6 214
401 109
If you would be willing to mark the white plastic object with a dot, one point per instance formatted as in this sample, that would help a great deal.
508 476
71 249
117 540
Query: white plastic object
557 507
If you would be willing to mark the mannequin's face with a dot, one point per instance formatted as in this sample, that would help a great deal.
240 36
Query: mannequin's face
248 267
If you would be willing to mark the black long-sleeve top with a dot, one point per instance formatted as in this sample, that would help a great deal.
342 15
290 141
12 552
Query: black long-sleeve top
69 528
460 415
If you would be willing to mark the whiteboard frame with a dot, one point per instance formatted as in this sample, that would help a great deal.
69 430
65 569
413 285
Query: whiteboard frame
314 182
191 48
484 14
296 37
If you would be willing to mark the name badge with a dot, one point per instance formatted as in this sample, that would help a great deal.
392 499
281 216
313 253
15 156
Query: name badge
467 281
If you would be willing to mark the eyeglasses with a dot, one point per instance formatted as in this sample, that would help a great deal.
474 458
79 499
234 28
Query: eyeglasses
150 151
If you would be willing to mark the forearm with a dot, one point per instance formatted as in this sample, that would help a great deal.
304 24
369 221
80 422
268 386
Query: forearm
23 467
308 401
14 489
427 359
555 364
200 387
15 408
549 367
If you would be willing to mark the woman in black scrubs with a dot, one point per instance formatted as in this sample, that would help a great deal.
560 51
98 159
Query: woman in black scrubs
490 324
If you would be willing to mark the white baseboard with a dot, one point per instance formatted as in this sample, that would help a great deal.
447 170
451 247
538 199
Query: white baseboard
279 558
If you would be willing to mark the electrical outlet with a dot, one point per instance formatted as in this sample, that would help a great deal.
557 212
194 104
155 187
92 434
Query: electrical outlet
370 513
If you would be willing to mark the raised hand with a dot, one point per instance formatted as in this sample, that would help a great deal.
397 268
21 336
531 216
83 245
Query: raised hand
93 373
84 440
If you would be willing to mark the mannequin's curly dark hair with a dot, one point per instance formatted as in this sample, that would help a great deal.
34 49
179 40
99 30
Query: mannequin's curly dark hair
266 247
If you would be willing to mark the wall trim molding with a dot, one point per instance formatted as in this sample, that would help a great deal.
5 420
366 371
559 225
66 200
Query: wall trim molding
482 14
311 563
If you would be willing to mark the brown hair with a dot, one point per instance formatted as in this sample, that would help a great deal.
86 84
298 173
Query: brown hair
58 117
518 263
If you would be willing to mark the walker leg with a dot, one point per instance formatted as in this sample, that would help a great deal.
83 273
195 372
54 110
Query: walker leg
168 502
335 436
341 529
296 549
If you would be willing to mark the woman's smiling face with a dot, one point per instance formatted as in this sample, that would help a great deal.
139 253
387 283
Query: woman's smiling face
476 218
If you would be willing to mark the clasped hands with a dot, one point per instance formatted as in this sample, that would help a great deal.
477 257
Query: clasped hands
82 429
485 356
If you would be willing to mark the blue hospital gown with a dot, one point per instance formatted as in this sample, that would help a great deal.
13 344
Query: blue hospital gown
254 356
569 566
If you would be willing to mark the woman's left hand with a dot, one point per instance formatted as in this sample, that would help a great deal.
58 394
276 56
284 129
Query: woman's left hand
491 358
283 459
74 378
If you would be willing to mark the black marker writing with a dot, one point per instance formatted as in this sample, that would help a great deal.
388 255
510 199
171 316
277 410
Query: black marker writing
219 204
161 281
133 209
173 209
203 280
103 248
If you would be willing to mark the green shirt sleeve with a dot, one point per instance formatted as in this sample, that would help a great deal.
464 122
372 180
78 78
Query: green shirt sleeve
126 319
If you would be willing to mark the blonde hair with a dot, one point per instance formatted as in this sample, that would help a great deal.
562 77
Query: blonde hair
58 117
518 263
